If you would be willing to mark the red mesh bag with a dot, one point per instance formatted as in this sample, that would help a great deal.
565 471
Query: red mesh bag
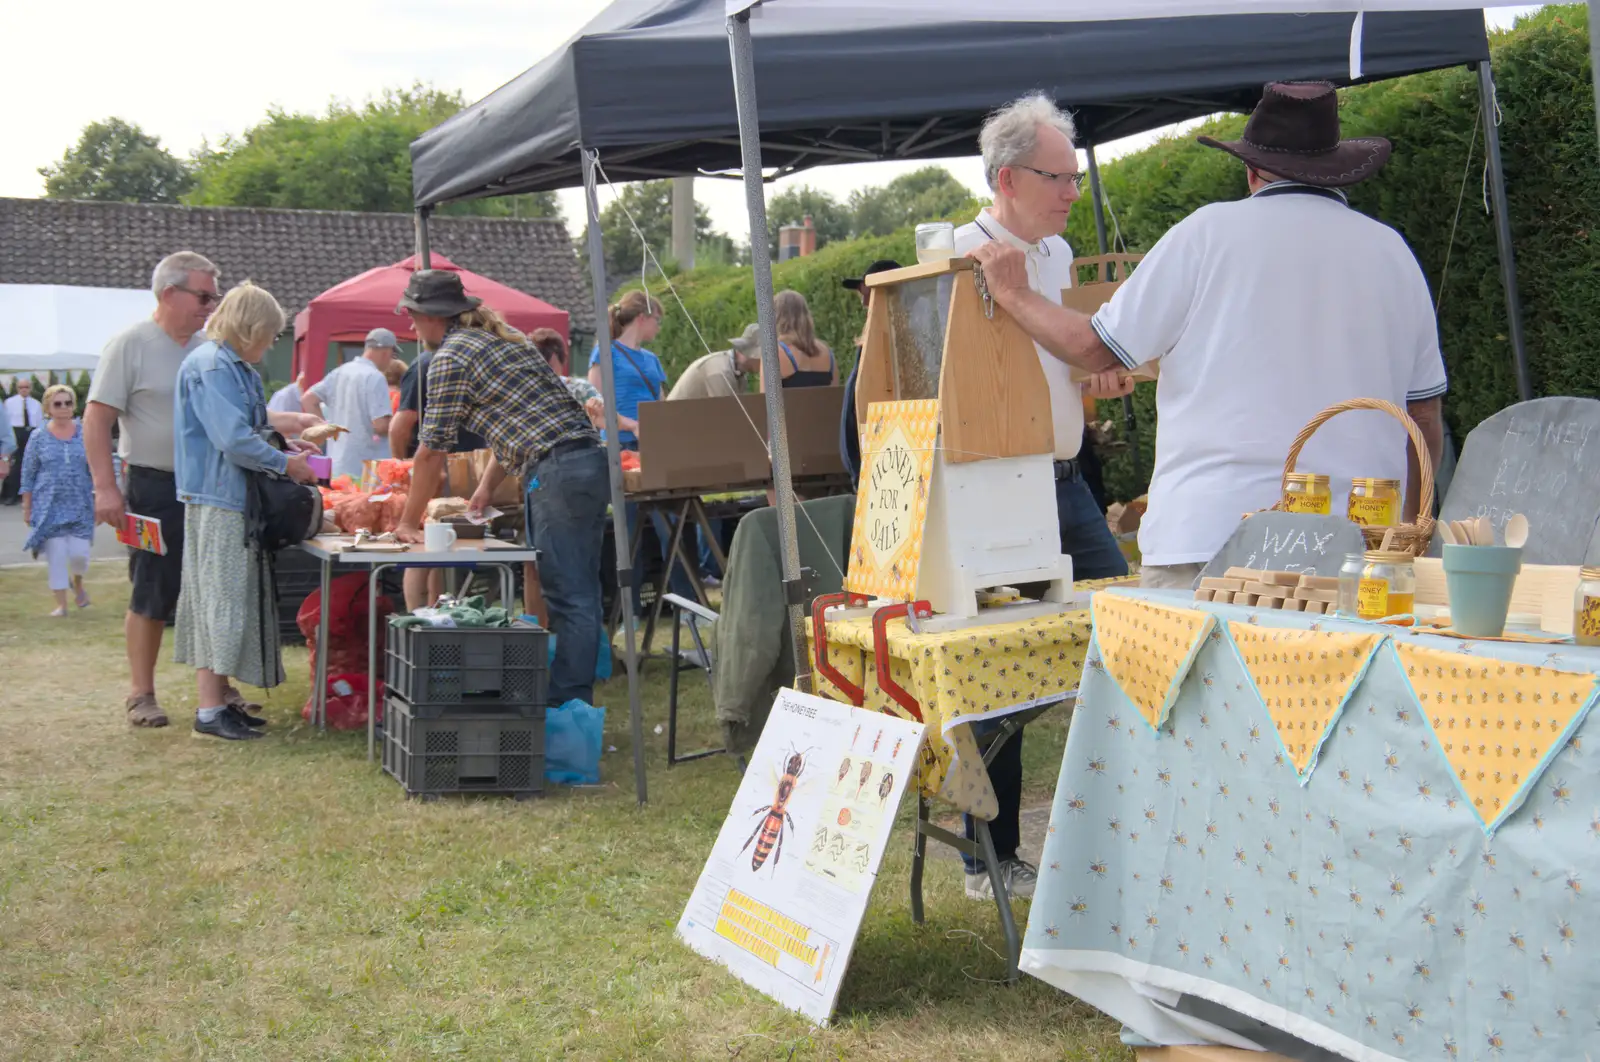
347 645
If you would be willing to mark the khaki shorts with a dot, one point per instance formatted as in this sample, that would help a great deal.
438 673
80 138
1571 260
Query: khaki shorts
1170 576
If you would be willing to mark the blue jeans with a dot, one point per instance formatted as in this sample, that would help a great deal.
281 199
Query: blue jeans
1095 555
566 500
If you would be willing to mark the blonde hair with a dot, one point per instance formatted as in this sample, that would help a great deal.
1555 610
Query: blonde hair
485 319
794 322
395 372
631 307
246 317
55 389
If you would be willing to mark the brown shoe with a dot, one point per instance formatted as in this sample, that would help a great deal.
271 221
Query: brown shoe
144 710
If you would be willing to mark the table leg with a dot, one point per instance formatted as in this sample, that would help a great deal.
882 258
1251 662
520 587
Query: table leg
672 691
919 854
663 581
372 652
319 695
698 509
1002 900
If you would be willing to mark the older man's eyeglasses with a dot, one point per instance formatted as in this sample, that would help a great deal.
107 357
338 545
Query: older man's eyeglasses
206 298
1075 179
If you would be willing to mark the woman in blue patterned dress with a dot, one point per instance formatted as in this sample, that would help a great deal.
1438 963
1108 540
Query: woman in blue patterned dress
58 497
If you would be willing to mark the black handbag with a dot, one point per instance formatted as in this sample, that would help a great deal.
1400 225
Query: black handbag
278 512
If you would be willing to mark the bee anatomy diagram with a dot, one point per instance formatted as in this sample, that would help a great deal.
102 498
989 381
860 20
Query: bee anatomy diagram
775 816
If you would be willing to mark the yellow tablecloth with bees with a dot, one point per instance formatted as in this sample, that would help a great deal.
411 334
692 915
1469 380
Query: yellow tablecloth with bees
959 678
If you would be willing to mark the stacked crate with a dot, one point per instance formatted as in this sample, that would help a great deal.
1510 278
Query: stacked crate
464 709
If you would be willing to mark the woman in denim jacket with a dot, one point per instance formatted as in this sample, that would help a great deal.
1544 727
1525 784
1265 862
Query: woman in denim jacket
227 615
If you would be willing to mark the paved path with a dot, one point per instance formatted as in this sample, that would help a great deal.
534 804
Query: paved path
13 533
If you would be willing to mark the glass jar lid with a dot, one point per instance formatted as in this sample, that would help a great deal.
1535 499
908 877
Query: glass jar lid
1388 556
1306 479
1375 484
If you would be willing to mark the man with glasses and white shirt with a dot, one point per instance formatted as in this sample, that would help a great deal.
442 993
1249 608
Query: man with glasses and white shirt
1261 313
1032 168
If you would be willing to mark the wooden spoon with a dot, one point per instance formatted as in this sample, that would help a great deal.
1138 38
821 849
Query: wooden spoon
1517 531
1485 536
1463 536
1449 535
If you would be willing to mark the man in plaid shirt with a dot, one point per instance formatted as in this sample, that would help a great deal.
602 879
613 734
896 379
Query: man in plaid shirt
486 378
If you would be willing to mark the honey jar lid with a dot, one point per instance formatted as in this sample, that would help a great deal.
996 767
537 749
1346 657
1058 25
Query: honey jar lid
1389 556
1588 574
1365 481
1306 479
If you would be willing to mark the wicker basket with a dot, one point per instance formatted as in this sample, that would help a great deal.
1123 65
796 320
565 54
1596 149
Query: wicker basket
1407 538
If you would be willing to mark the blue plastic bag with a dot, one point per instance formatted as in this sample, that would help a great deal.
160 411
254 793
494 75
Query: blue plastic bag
573 737
602 659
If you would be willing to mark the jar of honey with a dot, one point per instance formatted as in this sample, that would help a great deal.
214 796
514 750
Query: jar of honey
1586 608
1307 492
1374 502
1388 585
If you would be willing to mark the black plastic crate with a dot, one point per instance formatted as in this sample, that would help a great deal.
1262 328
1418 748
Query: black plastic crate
443 668
463 752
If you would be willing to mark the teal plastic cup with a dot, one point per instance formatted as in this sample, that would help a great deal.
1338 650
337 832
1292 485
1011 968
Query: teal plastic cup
1480 579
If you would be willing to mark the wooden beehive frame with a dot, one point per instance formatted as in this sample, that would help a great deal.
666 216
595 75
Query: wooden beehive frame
994 400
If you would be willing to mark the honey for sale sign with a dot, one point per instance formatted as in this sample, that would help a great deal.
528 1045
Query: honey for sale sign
892 500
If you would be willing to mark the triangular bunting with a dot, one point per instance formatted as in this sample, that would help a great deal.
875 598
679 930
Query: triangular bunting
1499 723
1304 679
1148 649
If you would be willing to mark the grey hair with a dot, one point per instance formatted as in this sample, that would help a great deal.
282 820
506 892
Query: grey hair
173 270
1011 134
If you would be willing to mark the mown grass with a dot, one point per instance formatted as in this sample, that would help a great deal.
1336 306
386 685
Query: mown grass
164 897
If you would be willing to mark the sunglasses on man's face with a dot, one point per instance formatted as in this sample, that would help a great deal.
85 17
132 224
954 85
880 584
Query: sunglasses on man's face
66 403
206 298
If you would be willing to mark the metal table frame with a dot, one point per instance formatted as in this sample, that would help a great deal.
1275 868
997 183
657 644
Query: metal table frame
470 554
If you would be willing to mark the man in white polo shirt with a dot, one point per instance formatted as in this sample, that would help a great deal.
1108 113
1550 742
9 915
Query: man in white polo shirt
1261 313
1032 168
356 395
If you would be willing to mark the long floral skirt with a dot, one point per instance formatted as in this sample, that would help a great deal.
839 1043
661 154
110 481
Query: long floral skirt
227 610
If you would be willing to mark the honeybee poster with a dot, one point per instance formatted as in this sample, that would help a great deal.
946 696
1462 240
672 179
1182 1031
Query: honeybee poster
892 500
782 896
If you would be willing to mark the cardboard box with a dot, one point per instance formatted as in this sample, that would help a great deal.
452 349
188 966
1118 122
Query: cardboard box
713 443
1106 273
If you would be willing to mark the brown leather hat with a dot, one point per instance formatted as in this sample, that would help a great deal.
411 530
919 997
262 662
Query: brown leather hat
1294 134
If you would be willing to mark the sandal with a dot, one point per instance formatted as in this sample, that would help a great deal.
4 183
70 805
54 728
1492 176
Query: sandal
144 710
249 711
83 598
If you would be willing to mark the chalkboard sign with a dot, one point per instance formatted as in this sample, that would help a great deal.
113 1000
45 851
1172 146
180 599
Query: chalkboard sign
1542 459
1289 542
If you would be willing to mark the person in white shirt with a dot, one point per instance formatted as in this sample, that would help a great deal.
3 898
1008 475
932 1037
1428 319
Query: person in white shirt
1261 313
1032 168
356 396
286 399
26 415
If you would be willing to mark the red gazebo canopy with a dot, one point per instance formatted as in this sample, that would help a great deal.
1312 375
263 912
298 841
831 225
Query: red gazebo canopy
346 312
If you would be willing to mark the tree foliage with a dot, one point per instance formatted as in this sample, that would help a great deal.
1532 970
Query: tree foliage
116 161
831 219
347 158
649 204
921 195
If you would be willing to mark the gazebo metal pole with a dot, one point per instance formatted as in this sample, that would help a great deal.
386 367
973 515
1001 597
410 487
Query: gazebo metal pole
1130 423
744 94
619 518
1502 231
424 256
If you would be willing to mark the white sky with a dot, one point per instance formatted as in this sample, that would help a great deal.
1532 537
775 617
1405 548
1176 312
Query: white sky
199 73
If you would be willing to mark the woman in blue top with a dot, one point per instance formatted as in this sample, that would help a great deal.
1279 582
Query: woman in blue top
635 320
58 498
227 618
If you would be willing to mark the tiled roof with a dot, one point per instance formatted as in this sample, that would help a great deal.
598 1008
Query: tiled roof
295 254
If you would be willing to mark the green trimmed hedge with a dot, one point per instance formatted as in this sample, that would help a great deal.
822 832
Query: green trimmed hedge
1552 172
